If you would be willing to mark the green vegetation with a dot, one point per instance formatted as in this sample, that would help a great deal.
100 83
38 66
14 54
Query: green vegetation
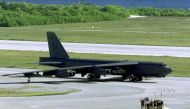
24 14
24 92
19 59
151 11
166 31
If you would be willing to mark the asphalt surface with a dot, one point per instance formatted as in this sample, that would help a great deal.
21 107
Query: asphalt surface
106 93
99 48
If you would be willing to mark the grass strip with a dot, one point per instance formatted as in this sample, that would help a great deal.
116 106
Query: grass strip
7 92
166 31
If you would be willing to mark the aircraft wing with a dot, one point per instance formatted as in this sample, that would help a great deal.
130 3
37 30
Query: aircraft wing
79 69
107 65
28 72
119 64
103 69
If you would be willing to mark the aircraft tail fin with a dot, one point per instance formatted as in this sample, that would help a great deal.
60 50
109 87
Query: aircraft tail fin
56 49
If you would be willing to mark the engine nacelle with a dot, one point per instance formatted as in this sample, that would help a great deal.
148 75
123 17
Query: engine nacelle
36 74
102 71
118 71
64 74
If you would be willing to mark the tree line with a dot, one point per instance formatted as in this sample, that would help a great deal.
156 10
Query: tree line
25 14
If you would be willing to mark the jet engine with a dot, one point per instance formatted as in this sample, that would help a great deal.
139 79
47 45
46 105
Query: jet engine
64 74
96 74
36 74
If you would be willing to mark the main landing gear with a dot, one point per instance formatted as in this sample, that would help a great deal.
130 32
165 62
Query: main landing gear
28 75
91 76
132 78
28 80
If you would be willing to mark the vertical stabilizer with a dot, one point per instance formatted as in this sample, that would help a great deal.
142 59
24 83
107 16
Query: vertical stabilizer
56 50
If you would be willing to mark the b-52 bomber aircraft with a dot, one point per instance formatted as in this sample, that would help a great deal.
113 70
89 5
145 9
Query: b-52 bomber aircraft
67 67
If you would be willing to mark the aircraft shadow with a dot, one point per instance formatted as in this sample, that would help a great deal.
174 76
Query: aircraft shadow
47 82
76 80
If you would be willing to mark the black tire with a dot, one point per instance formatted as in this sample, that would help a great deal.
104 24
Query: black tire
140 78
124 77
131 78
137 78
90 76
97 77
28 80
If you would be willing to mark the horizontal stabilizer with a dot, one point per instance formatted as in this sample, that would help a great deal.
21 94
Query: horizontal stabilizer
46 63
52 63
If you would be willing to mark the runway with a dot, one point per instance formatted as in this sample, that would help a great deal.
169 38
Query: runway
106 93
100 48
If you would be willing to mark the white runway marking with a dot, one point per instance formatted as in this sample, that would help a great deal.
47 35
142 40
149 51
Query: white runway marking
100 48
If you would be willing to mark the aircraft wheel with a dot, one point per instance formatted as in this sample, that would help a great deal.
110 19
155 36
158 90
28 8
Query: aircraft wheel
131 78
124 77
28 80
90 76
72 74
137 78
97 77
140 78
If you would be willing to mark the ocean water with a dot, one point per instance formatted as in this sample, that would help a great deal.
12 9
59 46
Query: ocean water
185 4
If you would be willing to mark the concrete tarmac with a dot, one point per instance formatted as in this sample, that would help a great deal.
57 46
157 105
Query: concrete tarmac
100 48
103 94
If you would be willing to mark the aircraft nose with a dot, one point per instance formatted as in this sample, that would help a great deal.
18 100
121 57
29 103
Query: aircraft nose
168 70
